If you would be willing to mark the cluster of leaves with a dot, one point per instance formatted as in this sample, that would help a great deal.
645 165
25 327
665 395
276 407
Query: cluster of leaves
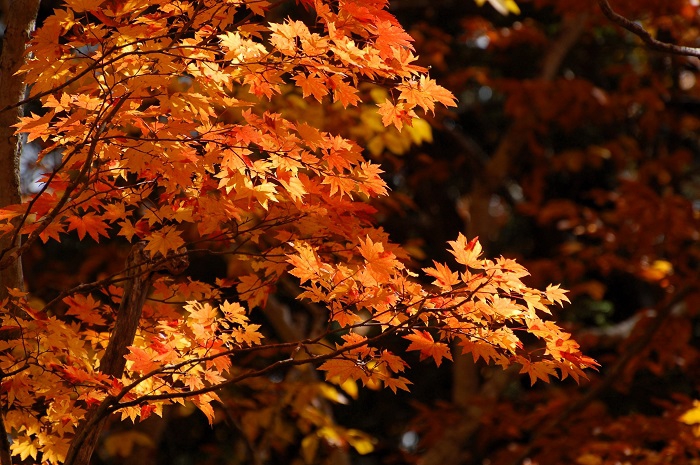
160 113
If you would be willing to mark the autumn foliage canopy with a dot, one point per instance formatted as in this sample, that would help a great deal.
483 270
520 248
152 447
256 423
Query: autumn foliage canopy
175 137
241 191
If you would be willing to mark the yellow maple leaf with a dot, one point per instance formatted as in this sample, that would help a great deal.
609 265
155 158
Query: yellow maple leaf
79 6
445 278
305 263
164 240
502 6
467 253
556 295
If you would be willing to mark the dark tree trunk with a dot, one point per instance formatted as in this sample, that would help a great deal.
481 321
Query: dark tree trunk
18 18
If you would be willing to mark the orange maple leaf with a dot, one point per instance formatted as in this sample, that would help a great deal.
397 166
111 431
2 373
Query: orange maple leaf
445 278
381 264
88 224
398 114
36 127
85 308
311 84
247 334
341 370
343 92
305 263
479 349
164 240
390 36
467 253
538 370
556 295
253 290
143 359
397 383
424 342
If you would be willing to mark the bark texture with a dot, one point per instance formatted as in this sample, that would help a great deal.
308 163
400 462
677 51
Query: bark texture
19 19
139 272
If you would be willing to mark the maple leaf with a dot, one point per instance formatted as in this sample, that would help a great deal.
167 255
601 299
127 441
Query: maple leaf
201 312
312 137
390 35
445 278
306 264
422 341
343 92
398 114
556 295
259 7
295 188
35 126
341 370
538 370
397 383
505 307
24 447
346 318
535 301
467 253
249 335
393 362
127 229
143 360
80 6
203 403
312 84
234 312
163 241
89 224
426 93
380 264
252 290
479 349
85 308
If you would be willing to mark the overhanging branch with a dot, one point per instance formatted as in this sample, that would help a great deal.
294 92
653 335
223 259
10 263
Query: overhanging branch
643 34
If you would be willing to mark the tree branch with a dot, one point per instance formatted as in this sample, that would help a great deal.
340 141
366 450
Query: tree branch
139 275
643 34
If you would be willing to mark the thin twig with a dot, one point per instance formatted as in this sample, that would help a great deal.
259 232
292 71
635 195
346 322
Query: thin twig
643 34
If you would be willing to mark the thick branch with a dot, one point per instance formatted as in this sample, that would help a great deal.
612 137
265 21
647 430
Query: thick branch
5 457
129 314
113 361
139 274
642 33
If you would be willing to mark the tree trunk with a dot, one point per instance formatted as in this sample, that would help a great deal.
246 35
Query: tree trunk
19 19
